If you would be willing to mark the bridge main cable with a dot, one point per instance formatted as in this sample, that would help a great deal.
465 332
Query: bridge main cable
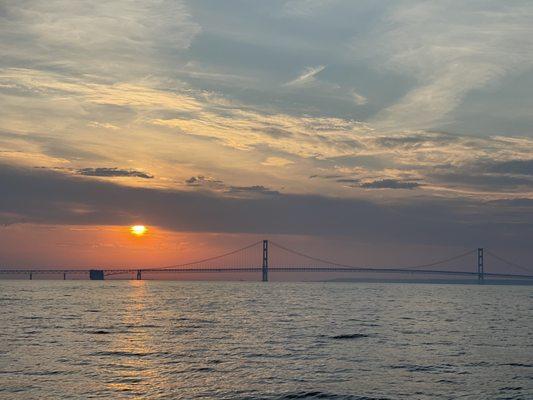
329 262
432 264
311 257
205 259
512 264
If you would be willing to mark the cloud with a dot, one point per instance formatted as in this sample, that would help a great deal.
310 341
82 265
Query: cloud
61 113
518 167
277 162
359 99
201 181
334 176
104 125
324 89
487 175
113 172
348 180
450 48
305 8
486 182
421 139
275 133
205 181
307 76
201 114
119 38
255 189
211 124
390 184
46 197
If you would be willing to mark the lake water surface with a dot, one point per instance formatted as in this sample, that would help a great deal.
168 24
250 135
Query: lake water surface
244 340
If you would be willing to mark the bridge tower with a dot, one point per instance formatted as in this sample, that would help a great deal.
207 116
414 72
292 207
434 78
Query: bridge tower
139 277
480 268
265 260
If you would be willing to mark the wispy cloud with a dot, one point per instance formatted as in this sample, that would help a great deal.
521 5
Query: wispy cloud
308 75
118 39
277 162
359 99
306 8
450 48
215 124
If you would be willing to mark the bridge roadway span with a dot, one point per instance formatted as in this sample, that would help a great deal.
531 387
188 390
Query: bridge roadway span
119 271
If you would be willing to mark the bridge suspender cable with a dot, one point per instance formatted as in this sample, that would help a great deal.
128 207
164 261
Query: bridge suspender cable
354 267
209 258
512 264
466 253
312 258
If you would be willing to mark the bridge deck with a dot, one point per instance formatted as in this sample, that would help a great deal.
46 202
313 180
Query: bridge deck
118 271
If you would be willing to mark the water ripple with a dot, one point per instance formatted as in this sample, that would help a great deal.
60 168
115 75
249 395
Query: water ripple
224 340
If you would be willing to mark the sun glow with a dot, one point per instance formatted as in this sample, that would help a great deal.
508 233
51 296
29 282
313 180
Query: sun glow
138 230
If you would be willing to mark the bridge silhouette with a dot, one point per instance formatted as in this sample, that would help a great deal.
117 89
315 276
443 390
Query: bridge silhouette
267 256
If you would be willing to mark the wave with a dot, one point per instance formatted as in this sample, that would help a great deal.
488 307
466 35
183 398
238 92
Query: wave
351 336
324 395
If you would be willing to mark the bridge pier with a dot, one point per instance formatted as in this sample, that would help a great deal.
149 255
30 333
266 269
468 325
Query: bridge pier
139 277
64 276
96 275
31 276
265 261
480 267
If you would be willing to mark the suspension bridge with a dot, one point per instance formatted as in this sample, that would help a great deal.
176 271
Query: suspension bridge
265 257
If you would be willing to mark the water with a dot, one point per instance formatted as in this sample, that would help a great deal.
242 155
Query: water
193 340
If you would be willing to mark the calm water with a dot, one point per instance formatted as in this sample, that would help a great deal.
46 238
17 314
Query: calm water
191 340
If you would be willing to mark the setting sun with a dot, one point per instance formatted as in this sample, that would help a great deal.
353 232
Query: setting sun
138 230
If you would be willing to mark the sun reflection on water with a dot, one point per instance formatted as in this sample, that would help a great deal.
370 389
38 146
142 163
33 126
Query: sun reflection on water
133 367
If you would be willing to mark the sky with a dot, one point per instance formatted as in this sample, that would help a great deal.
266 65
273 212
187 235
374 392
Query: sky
370 132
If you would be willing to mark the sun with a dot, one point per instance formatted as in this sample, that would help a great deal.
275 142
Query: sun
138 230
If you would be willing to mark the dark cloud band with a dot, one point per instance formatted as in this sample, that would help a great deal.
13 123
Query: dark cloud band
41 196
